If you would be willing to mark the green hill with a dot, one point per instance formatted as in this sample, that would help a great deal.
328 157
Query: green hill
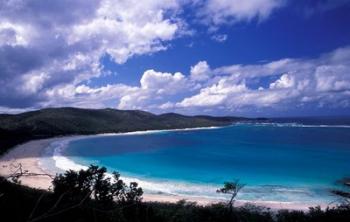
71 121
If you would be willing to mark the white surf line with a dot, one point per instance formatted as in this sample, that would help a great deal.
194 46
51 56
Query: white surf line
293 125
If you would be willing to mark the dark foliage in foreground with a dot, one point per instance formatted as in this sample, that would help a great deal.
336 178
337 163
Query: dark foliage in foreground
88 195
345 192
15 129
93 182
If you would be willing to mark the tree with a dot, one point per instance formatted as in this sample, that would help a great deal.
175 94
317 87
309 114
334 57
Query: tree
134 193
344 193
88 189
231 188
94 182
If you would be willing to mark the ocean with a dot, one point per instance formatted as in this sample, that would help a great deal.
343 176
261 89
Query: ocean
284 160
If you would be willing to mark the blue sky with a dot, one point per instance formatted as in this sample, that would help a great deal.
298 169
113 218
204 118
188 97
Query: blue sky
218 57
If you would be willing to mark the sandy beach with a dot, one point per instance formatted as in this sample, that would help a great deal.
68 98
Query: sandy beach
29 154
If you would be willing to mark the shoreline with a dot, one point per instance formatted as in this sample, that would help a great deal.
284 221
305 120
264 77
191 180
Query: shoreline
30 154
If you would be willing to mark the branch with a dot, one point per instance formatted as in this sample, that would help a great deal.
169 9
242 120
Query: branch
57 202
36 205
19 172
46 215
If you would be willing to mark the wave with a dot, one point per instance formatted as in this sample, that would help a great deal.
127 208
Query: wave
155 187
160 131
64 163
292 124
268 193
61 161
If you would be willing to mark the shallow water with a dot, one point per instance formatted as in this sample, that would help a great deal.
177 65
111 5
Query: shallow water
277 161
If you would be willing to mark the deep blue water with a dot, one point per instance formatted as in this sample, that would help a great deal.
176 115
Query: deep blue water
277 162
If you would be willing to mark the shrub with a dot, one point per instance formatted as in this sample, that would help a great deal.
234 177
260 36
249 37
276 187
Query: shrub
94 183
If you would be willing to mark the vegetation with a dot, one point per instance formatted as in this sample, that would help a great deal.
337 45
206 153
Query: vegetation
89 195
231 188
15 129
94 182
344 194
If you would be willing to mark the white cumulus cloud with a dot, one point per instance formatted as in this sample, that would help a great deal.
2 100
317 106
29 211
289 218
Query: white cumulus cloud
216 12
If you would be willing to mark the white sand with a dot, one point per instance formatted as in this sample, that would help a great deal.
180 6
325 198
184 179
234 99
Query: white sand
29 154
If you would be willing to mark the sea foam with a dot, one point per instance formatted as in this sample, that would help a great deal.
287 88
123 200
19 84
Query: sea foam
154 187
291 124
268 194
287 193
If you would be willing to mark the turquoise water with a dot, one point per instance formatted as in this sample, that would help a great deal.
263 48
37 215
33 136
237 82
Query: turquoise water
277 162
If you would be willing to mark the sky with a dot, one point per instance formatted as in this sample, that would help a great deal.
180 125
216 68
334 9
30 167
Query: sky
216 57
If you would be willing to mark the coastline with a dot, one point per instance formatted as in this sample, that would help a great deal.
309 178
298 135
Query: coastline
27 154
31 153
